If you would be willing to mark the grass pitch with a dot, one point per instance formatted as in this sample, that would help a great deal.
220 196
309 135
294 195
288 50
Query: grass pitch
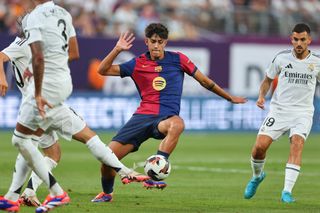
209 174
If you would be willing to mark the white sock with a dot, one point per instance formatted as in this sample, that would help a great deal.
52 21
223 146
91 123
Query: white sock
35 181
257 167
291 176
35 160
20 174
105 155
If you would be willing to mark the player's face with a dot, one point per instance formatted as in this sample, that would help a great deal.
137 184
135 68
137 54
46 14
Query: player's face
300 42
156 46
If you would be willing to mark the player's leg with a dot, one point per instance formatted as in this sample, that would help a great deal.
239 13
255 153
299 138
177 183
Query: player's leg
101 151
51 149
258 155
298 135
274 125
108 173
292 170
171 128
70 125
128 139
21 170
22 140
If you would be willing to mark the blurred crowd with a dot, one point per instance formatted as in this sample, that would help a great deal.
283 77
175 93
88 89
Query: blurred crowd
186 19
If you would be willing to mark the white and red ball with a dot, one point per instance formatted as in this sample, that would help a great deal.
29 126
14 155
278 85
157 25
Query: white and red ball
157 167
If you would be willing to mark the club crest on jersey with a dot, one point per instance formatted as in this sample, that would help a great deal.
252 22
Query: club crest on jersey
311 67
158 69
159 83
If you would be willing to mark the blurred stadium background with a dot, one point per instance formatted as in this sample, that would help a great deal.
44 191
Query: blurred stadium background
232 41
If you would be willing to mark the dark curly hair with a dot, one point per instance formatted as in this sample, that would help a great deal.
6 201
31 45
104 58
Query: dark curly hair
158 29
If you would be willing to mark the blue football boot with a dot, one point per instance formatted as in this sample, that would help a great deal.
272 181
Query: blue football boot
253 185
286 197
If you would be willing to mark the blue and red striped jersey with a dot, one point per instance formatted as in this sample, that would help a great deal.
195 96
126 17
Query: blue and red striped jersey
159 82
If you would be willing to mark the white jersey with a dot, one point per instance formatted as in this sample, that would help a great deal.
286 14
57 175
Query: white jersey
52 25
296 82
19 54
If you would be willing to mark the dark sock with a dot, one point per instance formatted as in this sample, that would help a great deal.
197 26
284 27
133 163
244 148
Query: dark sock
164 154
107 185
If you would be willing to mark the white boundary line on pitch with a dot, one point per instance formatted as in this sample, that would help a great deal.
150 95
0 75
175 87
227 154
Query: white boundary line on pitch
223 170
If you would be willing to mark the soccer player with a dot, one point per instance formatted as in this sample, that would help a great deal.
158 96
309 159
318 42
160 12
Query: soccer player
19 54
49 32
158 75
291 109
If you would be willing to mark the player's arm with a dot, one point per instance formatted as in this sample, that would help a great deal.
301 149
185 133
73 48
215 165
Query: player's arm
37 65
38 71
215 88
3 82
264 88
124 43
73 49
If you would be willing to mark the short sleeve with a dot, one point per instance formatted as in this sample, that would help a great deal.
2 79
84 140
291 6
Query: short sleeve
274 69
187 65
126 69
72 31
33 28
14 51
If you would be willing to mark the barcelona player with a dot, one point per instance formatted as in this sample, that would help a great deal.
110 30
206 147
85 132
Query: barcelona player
158 75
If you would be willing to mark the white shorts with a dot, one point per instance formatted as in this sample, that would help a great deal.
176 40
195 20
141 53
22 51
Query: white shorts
276 124
47 139
60 118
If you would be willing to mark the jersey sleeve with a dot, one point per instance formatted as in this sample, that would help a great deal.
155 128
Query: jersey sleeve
274 69
126 69
33 28
14 50
187 65
71 31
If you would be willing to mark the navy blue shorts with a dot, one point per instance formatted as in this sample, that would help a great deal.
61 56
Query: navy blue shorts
140 128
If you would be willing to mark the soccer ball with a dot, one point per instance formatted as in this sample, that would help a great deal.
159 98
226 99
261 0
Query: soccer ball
157 167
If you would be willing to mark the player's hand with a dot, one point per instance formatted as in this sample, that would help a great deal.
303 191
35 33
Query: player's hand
260 102
238 100
3 87
27 74
125 41
41 103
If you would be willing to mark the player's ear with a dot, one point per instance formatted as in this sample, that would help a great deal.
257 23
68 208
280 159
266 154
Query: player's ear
309 39
291 39
146 41
165 42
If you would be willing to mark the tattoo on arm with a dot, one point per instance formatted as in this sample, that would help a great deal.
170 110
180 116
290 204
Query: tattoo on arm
210 86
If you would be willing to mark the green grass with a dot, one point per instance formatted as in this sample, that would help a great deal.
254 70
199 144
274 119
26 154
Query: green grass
209 174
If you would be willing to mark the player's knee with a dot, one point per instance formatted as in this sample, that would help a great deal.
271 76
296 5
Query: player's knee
258 151
177 126
84 135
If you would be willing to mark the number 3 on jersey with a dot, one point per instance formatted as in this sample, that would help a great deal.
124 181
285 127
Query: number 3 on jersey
63 33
